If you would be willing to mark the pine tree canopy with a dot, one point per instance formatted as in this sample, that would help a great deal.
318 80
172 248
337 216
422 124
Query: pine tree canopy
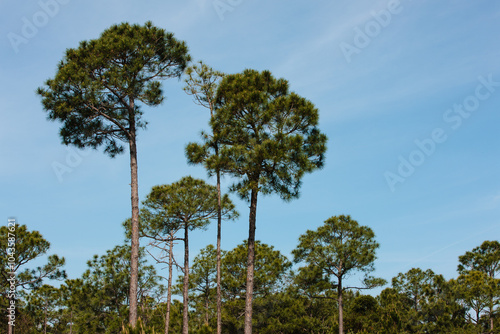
97 87
268 135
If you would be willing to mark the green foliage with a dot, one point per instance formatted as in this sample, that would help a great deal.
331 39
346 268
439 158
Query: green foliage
271 270
413 285
311 281
97 85
287 312
478 292
202 83
268 139
202 284
396 313
29 245
188 203
480 286
433 301
442 309
362 314
485 258
98 303
418 302
268 135
138 329
202 277
42 306
339 248
333 252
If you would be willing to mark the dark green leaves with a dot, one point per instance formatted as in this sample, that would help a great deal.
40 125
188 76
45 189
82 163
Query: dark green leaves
189 201
30 245
485 258
271 268
268 136
98 86
339 248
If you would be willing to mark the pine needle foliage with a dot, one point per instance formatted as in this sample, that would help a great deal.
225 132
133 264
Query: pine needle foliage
99 87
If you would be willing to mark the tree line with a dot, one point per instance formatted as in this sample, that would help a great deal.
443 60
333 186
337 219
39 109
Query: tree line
304 294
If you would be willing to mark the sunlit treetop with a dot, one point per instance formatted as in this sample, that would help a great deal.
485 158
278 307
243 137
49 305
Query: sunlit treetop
99 87
268 136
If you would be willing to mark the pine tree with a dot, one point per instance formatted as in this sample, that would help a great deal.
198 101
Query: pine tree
268 139
25 246
97 94
190 204
484 259
202 83
335 251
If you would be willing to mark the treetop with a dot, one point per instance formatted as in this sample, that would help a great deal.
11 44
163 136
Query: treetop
268 136
98 86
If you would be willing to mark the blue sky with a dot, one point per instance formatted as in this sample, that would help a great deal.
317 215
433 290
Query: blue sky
408 94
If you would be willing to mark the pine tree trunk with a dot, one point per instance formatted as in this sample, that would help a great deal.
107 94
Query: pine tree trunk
71 321
45 317
134 261
169 284
219 236
491 320
185 319
10 329
207 300
250 262
492 305
341 307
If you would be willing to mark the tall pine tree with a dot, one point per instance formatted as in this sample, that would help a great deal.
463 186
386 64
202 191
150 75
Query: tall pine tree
98 91
190 204
202 83
268 139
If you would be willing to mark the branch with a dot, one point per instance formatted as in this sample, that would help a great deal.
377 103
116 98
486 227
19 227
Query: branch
112 120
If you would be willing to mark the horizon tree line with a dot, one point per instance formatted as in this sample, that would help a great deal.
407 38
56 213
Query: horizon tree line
286 300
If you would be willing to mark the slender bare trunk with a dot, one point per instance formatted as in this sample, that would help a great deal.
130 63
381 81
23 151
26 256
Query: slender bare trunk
491 317
10 321
45 317
134 260
492 305
341 307
207 300
11 328
219 236
250 262
185 315
71 321
169 284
